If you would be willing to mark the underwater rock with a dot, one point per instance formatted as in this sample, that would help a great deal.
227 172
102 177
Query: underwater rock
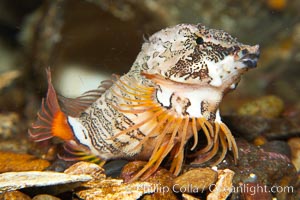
248 127
91 169
15 195
130 169
255 165
162 180
189 197
45 197
195 180
251 127
17 180
100 187
266 106
222 188
13 162
110 189
277 146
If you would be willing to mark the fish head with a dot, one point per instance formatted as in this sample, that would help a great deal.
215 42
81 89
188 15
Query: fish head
195 54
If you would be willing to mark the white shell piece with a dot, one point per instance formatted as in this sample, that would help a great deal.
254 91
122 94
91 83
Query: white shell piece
17 180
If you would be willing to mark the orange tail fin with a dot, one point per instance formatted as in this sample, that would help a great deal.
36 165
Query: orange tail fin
51 121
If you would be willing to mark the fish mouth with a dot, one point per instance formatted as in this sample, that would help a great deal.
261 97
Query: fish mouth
250 56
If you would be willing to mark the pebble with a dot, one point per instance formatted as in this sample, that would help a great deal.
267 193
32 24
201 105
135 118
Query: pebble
45 197
222 188
252 127
195 180
248 127
130 169
14 162
294 144
162 180
189 197
115 189
15 195
266 106
91 169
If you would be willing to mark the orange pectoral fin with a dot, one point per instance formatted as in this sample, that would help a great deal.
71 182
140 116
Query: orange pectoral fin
51 121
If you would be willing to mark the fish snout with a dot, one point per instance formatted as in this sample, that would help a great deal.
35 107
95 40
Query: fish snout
250 56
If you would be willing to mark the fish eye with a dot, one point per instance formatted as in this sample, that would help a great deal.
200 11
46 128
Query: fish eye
199 40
